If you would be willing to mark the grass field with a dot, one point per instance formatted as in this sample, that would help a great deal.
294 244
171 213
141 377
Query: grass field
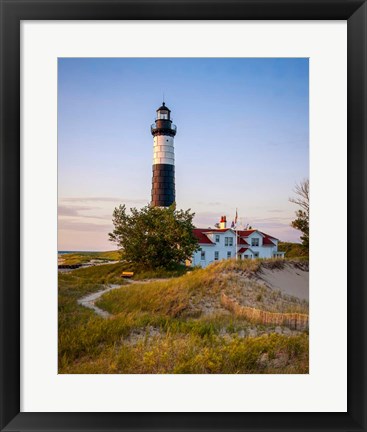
176 325
87 257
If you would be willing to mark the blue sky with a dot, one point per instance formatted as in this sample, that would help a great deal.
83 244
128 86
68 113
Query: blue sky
242 140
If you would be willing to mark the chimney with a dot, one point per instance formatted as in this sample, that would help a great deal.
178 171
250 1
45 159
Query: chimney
223 222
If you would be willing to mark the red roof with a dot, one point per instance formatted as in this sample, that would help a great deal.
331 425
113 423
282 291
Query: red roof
267 241
241 241
202 238
247 233
271 237
200 234
242 250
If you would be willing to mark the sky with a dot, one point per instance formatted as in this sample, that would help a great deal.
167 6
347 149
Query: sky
242 140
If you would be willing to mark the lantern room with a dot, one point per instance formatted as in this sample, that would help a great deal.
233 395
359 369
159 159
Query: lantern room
163 113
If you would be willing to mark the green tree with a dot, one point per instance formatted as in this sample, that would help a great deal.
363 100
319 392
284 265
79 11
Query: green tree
154 236
302 199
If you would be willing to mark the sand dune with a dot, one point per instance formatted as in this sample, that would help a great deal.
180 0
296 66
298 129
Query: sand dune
289 280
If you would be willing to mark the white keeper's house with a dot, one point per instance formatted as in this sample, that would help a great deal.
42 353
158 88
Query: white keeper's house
221 243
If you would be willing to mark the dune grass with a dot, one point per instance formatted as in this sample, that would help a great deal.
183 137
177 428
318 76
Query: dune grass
185 295
172 326
194 354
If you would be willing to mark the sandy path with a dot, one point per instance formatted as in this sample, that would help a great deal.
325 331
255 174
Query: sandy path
90 299
289 280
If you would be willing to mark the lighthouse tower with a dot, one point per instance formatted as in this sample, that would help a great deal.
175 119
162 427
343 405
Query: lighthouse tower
163 185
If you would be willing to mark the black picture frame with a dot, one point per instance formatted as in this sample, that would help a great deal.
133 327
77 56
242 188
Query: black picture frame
12 12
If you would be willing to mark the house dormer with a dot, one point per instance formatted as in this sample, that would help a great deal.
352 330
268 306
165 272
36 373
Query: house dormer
255 239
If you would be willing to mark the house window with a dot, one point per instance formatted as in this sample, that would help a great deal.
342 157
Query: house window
217 238
256 254
229 254
228 241
246 256
255 242
216 255
202 255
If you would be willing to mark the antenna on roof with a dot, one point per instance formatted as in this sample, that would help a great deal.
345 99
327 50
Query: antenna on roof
163 98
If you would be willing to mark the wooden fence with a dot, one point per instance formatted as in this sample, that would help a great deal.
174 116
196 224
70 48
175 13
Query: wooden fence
295 321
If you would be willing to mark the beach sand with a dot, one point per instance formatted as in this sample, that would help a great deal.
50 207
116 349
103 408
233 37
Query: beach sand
289 280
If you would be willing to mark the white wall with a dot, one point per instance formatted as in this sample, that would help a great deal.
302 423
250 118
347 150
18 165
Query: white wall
163 150
219 247
264 251
209 256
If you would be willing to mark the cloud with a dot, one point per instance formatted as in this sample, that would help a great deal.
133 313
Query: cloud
275 211
256 224
77 225
206 219
64 210
297 139
210 204
104 199
282 219
78 208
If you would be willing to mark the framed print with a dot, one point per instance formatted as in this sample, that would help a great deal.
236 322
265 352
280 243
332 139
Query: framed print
175 182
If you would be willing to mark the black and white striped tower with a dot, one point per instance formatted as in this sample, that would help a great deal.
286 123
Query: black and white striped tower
163 185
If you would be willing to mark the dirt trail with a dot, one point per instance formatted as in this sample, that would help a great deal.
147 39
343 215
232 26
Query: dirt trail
90 299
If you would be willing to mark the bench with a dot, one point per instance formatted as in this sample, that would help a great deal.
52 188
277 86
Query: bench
127 274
